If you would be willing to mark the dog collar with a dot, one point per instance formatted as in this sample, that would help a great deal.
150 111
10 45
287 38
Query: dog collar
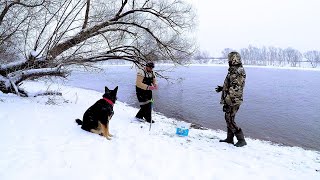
108 101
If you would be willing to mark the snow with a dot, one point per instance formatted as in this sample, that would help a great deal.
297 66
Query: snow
5 81
41 141
12 64
34 53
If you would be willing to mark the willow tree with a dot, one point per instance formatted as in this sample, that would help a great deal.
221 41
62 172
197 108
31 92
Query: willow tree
48 36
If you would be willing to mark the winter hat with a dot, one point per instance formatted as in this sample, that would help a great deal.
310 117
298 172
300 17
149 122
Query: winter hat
234 58
150 65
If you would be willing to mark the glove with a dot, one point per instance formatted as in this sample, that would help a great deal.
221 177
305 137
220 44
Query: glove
152 88
219 89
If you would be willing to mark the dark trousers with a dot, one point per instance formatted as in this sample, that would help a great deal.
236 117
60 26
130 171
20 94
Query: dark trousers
230 113
145 112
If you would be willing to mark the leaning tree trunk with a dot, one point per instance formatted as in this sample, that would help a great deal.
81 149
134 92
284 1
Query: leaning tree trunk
11 75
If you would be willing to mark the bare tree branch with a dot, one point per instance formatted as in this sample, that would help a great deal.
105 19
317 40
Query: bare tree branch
64 32
7 7
85 23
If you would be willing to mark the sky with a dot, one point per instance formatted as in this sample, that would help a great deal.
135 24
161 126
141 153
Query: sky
237 24
41 141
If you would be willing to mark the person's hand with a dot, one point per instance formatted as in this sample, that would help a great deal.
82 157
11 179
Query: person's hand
156 86
152 88
219 89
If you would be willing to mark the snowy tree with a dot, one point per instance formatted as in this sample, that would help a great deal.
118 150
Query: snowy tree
292 56
47 36
201 56
313 57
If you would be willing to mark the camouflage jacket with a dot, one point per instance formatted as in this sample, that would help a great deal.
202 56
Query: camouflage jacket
232 92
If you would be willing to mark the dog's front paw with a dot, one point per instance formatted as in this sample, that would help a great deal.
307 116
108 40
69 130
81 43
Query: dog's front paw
110 135
108 138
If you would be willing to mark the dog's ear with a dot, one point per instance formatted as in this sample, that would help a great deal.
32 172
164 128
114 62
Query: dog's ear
106 89
115 90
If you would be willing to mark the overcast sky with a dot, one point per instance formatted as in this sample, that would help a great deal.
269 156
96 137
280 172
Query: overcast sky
239 23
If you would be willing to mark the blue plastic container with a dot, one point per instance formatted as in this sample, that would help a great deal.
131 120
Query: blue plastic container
182 131
182 128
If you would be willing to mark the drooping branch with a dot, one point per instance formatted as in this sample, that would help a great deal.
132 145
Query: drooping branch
86 17
80 32
91 32
7 7
123 4
5 37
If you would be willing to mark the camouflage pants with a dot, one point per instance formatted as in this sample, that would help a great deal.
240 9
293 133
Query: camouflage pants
230 113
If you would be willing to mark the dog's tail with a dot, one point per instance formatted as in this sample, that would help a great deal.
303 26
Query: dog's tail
79 121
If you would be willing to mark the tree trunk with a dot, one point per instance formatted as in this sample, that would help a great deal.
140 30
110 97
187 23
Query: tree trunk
9 83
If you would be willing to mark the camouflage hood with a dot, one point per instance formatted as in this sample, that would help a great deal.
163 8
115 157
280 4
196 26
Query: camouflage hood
234 59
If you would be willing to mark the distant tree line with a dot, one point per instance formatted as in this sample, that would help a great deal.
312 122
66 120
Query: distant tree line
272 56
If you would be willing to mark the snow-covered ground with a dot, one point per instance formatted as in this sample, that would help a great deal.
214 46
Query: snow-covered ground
41 141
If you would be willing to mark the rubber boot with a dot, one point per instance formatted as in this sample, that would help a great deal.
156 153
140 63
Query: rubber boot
241 141
229 139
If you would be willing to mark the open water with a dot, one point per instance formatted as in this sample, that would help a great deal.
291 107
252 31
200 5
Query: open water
280 105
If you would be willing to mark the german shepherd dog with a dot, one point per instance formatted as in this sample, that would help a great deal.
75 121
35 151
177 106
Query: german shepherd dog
96 118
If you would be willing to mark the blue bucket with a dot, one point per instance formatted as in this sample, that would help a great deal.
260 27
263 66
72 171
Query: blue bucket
182 129
182 132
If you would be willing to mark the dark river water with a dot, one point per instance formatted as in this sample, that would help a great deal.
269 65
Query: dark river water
280 105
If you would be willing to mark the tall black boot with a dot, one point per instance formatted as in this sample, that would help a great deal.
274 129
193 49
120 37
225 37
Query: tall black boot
241 141
229 139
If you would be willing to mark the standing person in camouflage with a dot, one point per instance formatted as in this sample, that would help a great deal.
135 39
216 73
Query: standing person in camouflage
232 97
